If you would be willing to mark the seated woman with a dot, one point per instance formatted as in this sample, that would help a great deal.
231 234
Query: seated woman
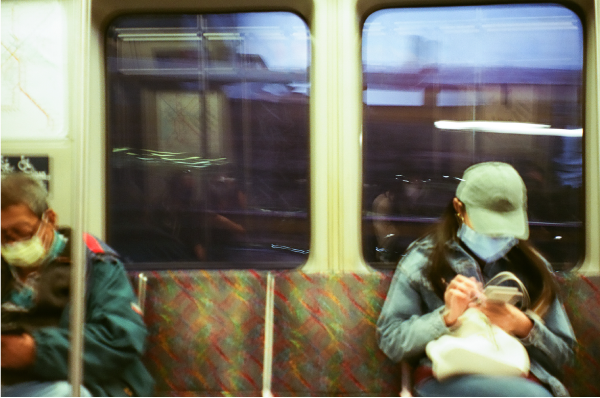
484 231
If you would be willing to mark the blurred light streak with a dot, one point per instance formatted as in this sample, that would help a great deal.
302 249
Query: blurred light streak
507 128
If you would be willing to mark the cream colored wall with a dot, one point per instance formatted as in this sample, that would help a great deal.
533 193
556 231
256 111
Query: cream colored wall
336 117
96 125
55 142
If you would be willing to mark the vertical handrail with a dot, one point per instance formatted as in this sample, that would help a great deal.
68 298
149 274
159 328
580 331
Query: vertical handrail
405 378
142 283
268 347
79 171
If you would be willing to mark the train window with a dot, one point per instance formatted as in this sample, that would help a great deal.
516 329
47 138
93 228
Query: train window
208 146
35 65
452 86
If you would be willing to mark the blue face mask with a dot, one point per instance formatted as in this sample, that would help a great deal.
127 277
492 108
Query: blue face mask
486 247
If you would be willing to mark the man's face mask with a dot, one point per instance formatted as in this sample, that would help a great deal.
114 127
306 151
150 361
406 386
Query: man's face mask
26 253
486 247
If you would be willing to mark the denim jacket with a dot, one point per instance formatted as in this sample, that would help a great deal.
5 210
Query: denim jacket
411 316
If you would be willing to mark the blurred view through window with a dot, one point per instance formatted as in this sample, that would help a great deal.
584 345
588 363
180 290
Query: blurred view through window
208 154
449 87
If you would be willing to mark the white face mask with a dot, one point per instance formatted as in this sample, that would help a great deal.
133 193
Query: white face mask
27 253
486 247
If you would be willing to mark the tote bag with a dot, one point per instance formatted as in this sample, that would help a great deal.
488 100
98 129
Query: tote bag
479 347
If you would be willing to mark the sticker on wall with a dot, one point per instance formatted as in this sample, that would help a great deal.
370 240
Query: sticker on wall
38 166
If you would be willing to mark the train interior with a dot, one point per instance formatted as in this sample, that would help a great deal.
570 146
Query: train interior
261 167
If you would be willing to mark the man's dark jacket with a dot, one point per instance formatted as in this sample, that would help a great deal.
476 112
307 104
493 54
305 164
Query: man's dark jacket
114 332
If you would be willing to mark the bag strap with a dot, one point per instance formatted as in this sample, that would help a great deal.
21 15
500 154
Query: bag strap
504 276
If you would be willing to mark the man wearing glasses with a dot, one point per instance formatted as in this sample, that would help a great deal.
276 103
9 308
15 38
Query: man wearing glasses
36 263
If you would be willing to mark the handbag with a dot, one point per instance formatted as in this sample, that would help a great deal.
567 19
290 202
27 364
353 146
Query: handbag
477 346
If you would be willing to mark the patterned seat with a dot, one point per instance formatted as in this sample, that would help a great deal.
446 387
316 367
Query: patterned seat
324 336
581 296
207 332
325 340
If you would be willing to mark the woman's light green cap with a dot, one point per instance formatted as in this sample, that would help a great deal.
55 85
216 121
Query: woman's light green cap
496 199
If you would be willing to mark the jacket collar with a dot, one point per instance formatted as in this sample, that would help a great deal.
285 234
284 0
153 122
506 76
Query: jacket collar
462 262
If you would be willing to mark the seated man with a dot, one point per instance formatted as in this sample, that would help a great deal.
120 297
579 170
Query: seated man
36 267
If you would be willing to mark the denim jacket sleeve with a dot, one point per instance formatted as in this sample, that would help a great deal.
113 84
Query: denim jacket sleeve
405 324
551 340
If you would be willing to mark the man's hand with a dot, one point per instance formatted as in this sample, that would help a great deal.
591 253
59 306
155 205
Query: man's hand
18 351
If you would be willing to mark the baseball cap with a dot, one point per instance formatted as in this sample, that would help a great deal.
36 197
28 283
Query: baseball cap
496 199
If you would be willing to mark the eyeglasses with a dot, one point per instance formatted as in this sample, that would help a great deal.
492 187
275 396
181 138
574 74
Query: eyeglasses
19 233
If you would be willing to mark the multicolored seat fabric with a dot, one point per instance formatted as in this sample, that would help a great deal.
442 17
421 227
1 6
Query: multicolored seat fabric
206 332
325 341
207 329
581 297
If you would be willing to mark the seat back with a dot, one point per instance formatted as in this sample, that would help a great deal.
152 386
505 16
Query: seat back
325 339
581 297
206 332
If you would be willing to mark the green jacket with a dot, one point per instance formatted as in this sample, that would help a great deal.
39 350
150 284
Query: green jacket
114 333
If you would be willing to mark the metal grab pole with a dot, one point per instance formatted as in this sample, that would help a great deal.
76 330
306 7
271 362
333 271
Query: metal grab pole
268 342
79 174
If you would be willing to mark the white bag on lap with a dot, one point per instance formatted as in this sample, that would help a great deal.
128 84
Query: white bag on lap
477 347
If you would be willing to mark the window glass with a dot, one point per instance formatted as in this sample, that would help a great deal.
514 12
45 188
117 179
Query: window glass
208 139
449 87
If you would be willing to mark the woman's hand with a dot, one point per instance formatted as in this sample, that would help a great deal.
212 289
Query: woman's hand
459 295
507 317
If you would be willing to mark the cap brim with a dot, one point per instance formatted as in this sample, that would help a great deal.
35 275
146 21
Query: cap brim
510 223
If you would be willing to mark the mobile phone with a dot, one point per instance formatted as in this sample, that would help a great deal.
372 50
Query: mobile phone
503 294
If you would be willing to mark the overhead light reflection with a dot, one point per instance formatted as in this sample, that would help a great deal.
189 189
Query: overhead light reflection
507 128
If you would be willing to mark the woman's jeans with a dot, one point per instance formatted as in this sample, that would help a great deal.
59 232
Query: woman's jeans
481 386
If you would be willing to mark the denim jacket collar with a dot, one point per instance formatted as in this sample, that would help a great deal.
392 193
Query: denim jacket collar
464 263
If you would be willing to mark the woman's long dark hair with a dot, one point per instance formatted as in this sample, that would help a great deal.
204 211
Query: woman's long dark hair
523 258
